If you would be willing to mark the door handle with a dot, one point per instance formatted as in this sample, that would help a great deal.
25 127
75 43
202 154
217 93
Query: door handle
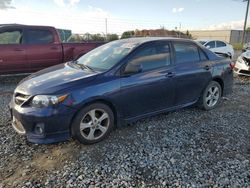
207 67
1 61
170 74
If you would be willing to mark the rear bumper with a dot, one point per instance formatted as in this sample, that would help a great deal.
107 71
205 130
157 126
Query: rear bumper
45 125
228 80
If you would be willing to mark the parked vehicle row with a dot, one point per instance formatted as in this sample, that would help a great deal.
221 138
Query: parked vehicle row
25 49
242 65
218 46
115 84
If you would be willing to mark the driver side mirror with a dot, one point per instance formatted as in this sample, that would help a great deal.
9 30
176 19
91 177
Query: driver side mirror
132 69
208 47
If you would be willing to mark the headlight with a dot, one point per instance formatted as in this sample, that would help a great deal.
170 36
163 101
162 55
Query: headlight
40 101
240 59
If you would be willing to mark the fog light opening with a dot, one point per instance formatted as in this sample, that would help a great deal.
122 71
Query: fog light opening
39 129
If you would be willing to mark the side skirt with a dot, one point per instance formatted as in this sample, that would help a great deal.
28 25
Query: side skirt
130 120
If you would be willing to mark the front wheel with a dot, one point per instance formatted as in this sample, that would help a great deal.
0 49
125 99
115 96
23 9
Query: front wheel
211 96
93 123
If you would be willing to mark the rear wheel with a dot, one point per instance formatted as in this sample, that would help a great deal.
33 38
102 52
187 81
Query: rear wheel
93 123
211 96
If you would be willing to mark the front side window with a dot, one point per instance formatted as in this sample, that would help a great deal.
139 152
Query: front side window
220 44
10 37
38 37
151 57
186 52
210 44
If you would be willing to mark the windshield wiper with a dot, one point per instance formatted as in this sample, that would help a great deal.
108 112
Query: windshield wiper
87 67
82 66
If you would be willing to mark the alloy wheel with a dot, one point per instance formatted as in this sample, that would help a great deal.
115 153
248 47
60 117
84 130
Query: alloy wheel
212 96
94 124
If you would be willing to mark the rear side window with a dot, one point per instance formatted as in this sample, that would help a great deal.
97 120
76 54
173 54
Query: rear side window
38 37
153 56
220 44
10 37
210 44
186 52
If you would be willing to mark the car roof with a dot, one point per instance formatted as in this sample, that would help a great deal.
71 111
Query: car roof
141 40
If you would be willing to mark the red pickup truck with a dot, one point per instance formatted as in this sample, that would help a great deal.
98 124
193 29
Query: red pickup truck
25 49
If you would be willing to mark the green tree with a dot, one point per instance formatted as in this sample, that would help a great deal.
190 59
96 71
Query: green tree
112 37
87 37
188 34
127 34
97 37
75 38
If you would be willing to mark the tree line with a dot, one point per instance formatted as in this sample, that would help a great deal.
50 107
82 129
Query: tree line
129 34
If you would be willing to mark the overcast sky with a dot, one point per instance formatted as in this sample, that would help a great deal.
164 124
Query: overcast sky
89 15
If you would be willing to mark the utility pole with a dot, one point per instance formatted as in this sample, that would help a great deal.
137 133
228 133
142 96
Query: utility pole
106 28
245 24
180 30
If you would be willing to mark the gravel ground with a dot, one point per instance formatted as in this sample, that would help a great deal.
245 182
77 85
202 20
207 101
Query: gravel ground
186 148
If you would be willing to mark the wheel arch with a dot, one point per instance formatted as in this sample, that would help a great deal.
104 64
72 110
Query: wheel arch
98 100
221 82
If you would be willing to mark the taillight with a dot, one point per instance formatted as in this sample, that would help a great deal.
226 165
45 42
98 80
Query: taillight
232 65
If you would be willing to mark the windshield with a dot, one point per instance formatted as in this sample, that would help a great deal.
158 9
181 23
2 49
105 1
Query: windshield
106 56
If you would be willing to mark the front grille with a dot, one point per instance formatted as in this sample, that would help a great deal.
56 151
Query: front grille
245 72
21 98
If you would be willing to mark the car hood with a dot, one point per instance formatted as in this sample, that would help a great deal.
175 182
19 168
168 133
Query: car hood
55 79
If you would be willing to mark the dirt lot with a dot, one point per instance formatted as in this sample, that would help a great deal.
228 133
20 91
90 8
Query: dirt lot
189 148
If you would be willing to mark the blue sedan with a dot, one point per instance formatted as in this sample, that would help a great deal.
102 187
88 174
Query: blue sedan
114 84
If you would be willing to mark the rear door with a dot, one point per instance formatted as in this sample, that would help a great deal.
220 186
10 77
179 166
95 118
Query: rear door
192 72
152 89
41 49
12 51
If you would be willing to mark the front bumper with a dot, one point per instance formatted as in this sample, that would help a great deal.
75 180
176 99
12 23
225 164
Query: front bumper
42 125
242 69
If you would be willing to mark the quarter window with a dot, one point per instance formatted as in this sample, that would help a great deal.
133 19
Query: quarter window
203 57
185 53
38 37
11 37
151 57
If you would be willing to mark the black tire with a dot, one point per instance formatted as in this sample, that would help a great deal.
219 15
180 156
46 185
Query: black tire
82 115
204 103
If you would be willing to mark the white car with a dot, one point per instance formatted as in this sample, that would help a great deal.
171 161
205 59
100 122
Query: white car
242 65
219 47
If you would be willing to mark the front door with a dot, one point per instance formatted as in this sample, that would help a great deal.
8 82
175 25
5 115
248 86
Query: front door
152 89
